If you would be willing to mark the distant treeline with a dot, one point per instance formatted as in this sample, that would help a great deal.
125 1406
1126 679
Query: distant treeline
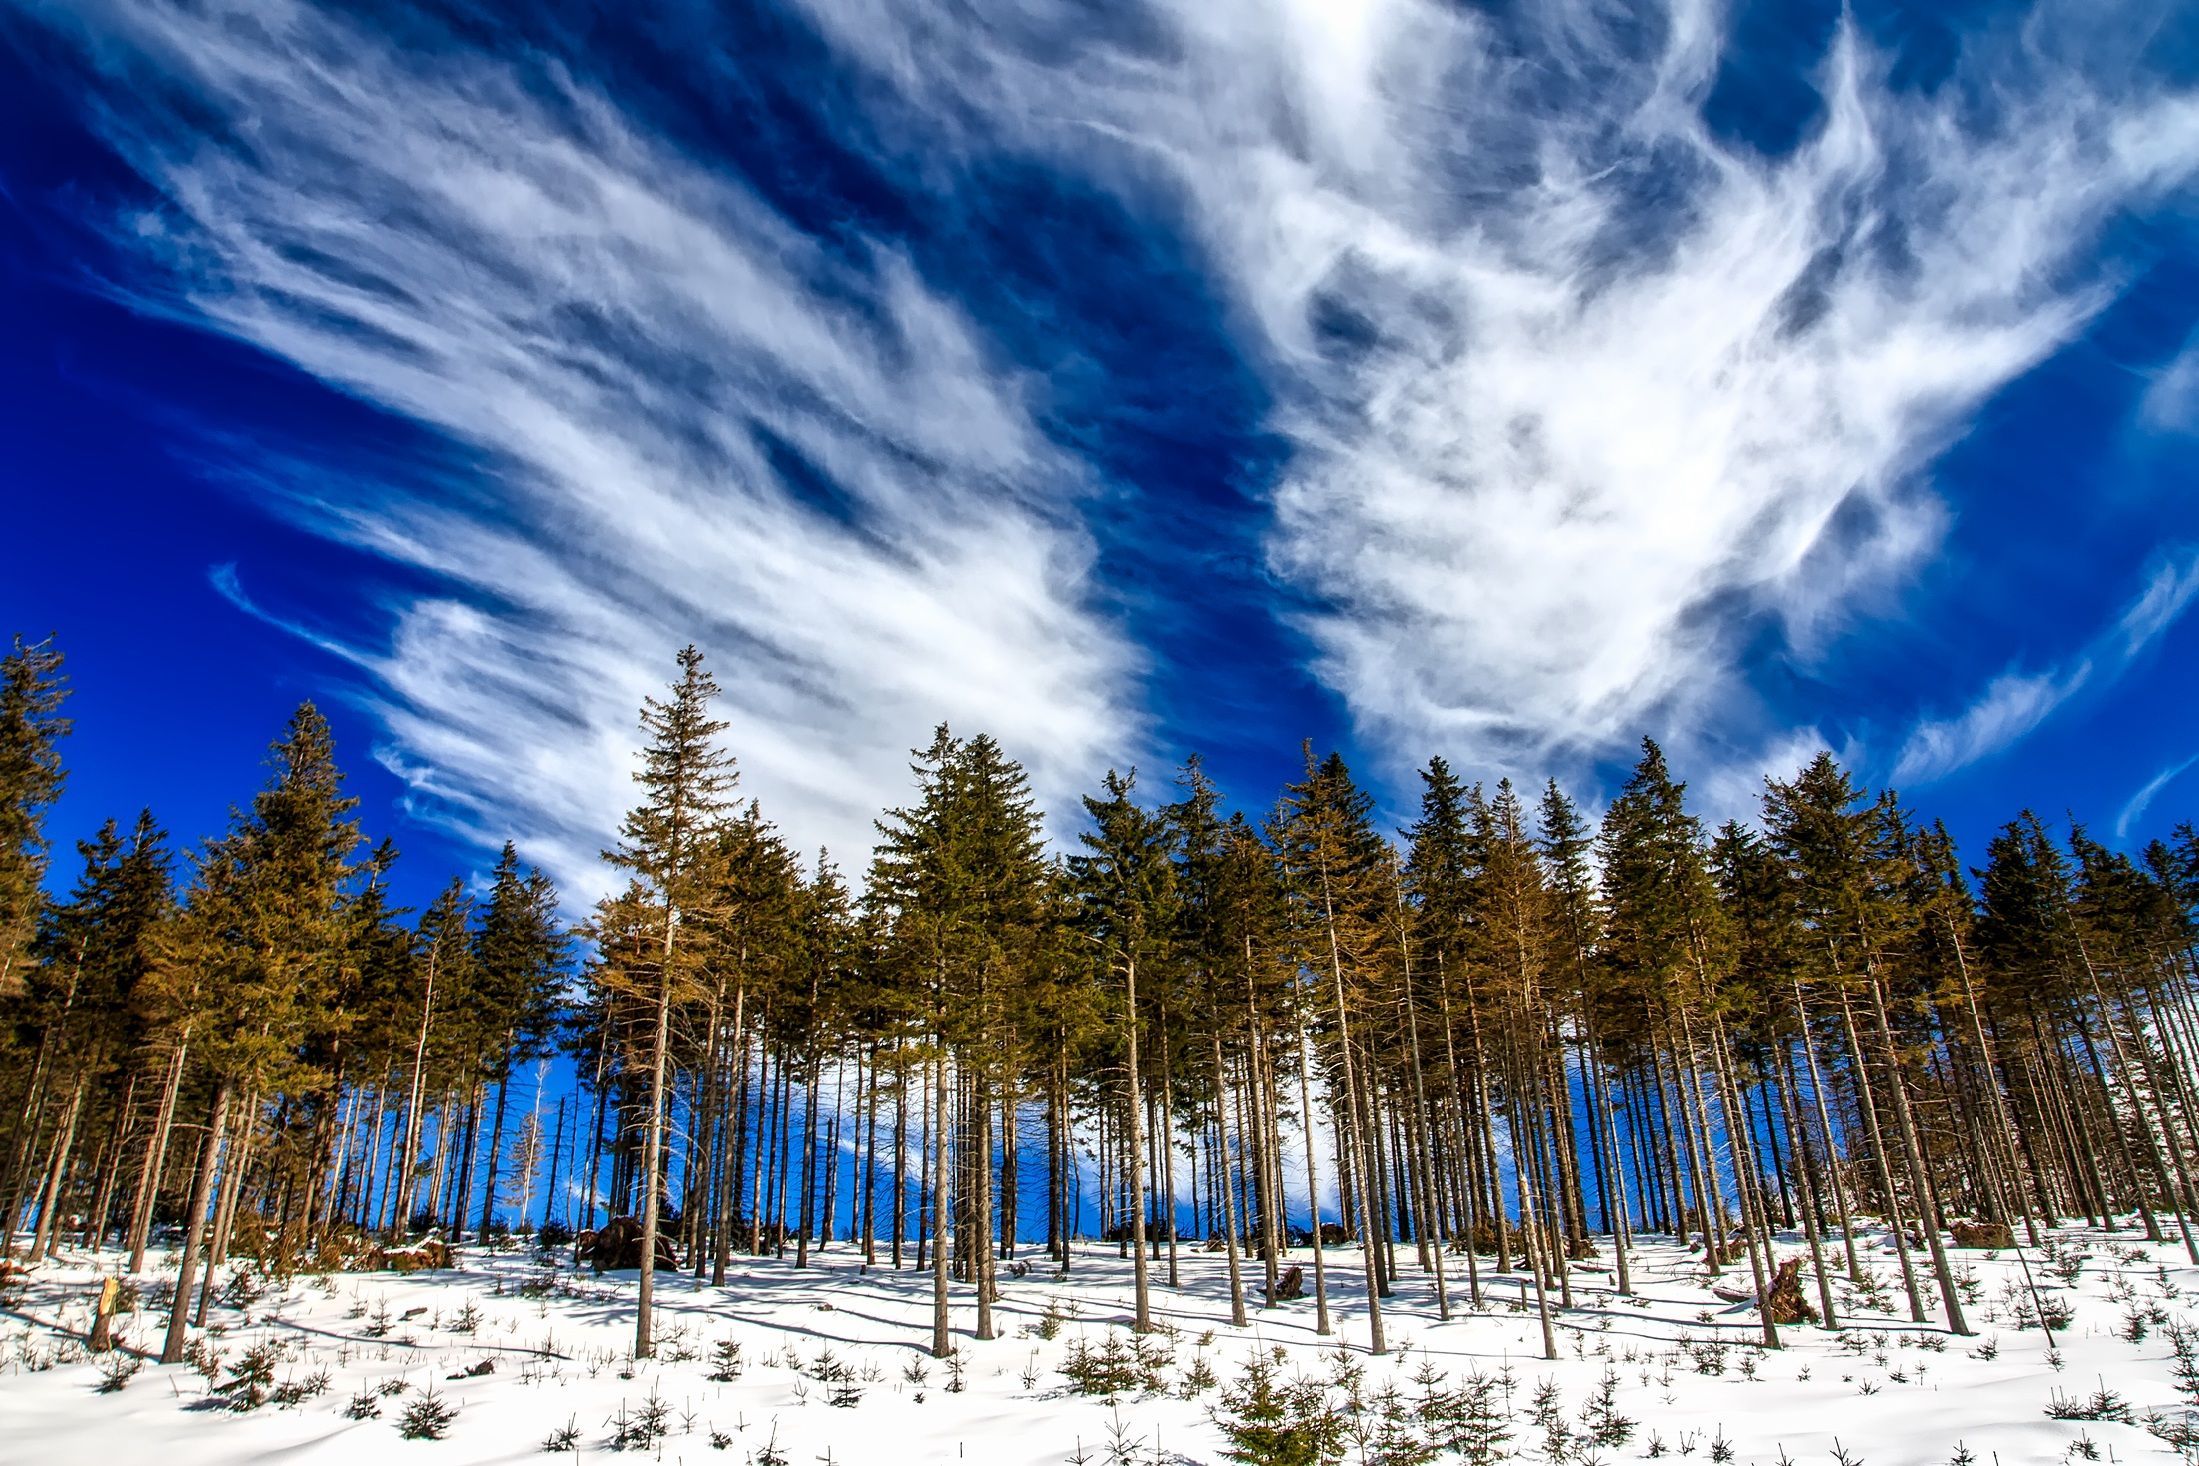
1506 1033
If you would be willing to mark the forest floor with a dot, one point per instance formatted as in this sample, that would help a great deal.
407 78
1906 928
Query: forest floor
525 1355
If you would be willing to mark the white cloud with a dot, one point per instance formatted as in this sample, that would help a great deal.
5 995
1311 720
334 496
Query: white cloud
1734 788
2013 704
1612 391
1582 395
2164 599
2171 402
493 249
2134 810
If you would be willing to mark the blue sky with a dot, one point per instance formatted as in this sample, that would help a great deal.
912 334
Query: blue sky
1507 382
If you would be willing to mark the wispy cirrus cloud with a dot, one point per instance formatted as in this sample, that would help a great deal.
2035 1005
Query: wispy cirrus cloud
2134 808
2015 703
687 420
2164 599
2012 705
1583 394
1588 407
2171 403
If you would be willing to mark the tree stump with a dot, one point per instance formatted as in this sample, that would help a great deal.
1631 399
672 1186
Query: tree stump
103 1315
1787 1303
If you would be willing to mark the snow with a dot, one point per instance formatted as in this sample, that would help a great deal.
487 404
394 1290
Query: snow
1889 1392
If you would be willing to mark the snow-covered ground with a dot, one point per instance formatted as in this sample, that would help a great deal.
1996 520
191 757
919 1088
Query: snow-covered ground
833 1367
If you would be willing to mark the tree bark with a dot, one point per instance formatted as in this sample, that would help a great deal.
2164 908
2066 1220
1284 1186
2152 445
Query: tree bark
194 1224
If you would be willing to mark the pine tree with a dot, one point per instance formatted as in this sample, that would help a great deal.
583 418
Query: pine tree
1846 856
1664 953
86 998
519 955
32 691
667 841
1512 915
1438 880
960 887
1127 885
260 939
1339 876
1575 929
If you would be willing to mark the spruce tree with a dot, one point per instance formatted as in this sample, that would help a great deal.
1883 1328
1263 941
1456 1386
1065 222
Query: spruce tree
666 842
261 937
960 886
1575 929
1846 854
1127 885
519 955
1439 872
86 998
1339 876
32 691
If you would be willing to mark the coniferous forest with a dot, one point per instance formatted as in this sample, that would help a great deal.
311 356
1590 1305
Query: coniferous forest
1496 1042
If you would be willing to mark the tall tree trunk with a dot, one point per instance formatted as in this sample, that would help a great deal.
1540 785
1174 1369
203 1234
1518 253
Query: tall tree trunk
1879 1155
1313 1186
1528 1210
108 1170
807 1216
496 1138
1748 1180
1142 1321
942 1346
1832 1145
1927 1203
980 1130
156 1157
194 1225
1361 1175
1230 1233
410 1152
729 1161
1812 1210
225 1211
1166 1143
652 1149
48 1235
900 1148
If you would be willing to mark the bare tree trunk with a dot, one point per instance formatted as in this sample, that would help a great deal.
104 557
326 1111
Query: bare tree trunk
496 1139
1528 1210
941 1345
1798 1140
1927 1203
1468 1153
109 1172
652 1149
1431 1230
900 1149
981 1203
735 1061
1143 1310
1361 1173
1167 1145
410 1139
807 1216
1878 1154
156 1157
194 1223
1313 1185
225 1212
1229 1194
1748 1180
48 1234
